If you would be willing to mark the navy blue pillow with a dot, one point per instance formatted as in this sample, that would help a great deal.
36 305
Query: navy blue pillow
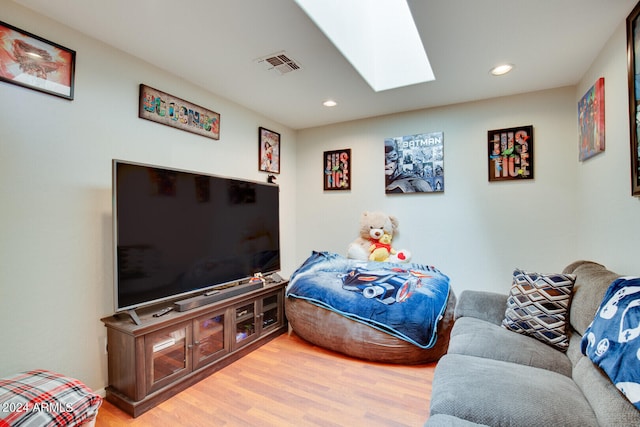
612 341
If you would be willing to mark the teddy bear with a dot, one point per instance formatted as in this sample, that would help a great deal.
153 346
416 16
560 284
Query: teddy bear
373 225
381 250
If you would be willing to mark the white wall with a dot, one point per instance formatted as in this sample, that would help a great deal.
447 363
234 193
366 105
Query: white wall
608 218
477 232
55 194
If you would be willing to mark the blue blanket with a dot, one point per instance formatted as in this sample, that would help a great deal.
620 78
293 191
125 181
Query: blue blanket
612 341
404 300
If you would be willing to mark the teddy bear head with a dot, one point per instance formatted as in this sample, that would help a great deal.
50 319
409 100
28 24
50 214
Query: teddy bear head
373 225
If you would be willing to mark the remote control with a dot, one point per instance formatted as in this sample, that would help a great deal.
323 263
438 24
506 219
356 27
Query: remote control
163 312
276 277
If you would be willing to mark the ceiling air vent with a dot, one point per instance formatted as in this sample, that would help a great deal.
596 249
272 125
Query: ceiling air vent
280 62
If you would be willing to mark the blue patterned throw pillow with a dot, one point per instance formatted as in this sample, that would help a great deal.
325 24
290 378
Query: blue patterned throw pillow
612 341
538 307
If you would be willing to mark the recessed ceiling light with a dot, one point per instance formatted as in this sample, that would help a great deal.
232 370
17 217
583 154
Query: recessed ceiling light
501 69
329 103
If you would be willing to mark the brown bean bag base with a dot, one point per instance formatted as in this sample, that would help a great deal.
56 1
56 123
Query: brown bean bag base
335 332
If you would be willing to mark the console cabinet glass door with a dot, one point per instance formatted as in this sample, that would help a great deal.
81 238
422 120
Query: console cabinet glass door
209 339
166 353
271 315
245 322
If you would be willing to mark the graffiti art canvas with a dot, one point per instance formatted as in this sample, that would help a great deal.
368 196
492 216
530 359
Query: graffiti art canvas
414 163
591 121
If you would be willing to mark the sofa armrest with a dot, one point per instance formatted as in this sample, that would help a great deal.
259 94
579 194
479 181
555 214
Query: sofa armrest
483 305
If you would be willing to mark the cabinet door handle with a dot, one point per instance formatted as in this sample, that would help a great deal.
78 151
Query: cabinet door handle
196 343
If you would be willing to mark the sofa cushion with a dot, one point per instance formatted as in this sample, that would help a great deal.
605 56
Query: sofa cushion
592 281
483 305
610 406
612 341
499 393
475 337
443 420
538 306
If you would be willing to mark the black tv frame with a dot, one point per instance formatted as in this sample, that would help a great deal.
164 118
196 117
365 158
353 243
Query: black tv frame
208 293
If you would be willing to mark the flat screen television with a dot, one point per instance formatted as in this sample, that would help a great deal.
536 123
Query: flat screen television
177 232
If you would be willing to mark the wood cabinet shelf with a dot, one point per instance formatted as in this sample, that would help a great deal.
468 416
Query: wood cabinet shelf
152 361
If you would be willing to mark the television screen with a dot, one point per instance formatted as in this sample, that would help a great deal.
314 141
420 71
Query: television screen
179 232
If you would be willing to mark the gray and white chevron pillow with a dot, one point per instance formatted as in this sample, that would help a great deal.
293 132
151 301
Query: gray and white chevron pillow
538 306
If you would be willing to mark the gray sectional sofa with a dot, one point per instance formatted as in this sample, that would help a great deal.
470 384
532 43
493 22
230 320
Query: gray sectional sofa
495 377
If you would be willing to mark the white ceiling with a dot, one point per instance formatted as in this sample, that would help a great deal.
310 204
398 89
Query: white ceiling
213 44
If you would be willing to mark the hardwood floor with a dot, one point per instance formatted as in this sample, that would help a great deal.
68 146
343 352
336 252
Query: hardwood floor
289 382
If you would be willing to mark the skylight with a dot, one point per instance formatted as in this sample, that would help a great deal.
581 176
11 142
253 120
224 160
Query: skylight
379 38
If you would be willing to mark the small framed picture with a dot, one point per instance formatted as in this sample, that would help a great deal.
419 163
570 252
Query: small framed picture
269 151
30 61
510 153
337 169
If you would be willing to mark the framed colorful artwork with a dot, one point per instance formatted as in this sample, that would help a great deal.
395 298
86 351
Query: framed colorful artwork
633 73
269 151
591 121
169 110
30 61
414 163
337 169
510 153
